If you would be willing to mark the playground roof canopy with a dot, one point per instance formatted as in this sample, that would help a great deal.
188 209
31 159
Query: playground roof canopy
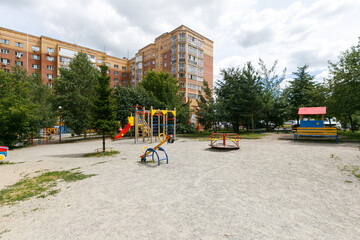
312 111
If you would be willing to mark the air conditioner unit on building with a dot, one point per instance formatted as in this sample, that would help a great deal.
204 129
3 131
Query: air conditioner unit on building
48 53
18 56
35 51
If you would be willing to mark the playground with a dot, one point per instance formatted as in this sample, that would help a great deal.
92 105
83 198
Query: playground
269 188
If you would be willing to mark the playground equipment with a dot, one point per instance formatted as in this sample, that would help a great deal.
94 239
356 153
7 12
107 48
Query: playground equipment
126 128
3 152
225 140
314 128
151 152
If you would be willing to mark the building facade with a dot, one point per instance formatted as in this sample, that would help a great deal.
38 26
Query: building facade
184 53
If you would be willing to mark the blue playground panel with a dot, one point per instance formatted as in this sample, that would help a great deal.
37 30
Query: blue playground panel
312 123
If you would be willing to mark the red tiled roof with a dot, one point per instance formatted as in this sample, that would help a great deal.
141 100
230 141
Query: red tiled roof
312 111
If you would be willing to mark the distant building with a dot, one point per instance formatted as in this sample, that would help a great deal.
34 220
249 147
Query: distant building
184 53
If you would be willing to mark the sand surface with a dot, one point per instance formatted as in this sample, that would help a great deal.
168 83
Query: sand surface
269 189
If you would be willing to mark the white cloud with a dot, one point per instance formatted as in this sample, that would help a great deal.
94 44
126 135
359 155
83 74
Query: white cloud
294 32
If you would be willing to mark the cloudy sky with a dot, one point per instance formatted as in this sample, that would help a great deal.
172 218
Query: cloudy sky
293 32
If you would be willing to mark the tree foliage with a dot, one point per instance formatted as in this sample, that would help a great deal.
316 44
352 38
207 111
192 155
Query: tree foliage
24 102
75 91
344 83
205 111
104 109
239 94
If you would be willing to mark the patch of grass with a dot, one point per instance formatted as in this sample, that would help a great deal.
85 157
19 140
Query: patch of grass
354 169
101 154
348 181
204 135
98 163
35 209
349 136
5 231
10 163
73 169
8 215
40 186
39 160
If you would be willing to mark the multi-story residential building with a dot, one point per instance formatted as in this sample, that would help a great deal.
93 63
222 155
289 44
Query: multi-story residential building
44 55
184 53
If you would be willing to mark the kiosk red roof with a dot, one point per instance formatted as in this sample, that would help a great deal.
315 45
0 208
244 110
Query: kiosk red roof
312 111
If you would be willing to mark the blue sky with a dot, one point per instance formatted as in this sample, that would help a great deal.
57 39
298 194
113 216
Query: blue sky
293 32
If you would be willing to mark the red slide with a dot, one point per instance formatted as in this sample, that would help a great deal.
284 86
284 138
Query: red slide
122 133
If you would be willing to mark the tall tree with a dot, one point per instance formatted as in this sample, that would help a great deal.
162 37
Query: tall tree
75 91
24 101
300 92
273 105
344 84
205 111
163 86
239 94
104 108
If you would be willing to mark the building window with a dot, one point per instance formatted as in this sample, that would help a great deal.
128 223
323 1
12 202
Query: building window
49 50
51 59
108 71
181 57
200 72
193 77
200 62
192 60
49 67
181 67
107 64
192 96
17 44
35 66
165 64
123 68
181 75
153 61
192 40
124 74
6 70
50 85
192 69
145 57
200 54
4 41
182 37
173 49
153 54
5 61
116 80
19 54
116 73
116 66
173 68
5 51
19 63
200 44
200 79
192 50
99 61
35 57
138 58
165 55
182 47
65 60
173 39
35 49
50 76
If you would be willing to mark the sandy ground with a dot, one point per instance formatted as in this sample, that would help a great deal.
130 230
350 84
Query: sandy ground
269 189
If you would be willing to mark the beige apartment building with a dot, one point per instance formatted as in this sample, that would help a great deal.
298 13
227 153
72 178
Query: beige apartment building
184 53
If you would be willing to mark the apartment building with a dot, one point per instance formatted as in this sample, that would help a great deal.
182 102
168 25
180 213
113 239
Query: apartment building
44 56
184 53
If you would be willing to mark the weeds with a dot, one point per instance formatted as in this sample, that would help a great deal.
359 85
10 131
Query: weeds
101 154
40 186
9 163
98 163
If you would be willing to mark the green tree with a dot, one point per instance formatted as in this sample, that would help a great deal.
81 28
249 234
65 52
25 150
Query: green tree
24 101
344 82
300 92
205 111
126 97
104 108
164 87
75 91
273 104
239 95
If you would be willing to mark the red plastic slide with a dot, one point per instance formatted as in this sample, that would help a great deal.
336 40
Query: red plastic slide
122 133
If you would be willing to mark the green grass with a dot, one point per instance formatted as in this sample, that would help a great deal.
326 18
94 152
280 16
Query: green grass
40 186
101 154
98 163
349 136
9 163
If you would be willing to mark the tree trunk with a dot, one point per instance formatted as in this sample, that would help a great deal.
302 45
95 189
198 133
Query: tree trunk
236 127
351 123
252 121
267 126
103 142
